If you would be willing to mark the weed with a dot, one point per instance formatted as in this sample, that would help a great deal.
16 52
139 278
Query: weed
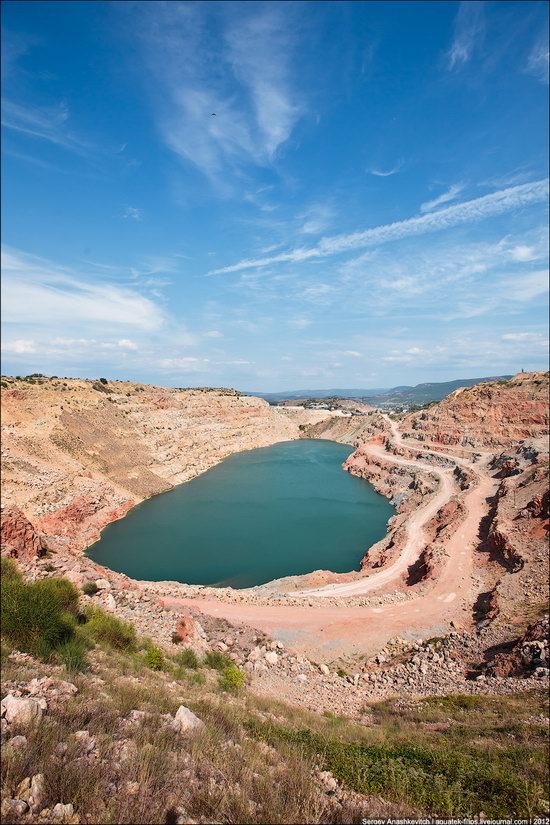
187 659
232 679
154 658
90 588
106 629
217 660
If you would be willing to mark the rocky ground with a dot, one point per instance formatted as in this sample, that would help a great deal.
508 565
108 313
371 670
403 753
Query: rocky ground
78 453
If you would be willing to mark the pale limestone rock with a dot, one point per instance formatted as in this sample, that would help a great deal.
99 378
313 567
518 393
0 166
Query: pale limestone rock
185 720
22 711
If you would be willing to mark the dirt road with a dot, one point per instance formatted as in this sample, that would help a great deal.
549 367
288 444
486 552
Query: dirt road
326 632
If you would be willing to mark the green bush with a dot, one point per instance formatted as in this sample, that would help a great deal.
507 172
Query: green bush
73 654
187 659
232 679
90 588
36 617
154 658
9 569
64 590
217 660
107 629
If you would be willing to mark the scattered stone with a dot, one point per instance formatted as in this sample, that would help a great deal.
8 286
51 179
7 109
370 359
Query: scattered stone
328 781
271 657
62 812
13 807
86 742
18 742
185 721
22 711
37 791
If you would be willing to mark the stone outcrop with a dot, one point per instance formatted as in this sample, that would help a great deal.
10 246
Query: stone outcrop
20 540
492 414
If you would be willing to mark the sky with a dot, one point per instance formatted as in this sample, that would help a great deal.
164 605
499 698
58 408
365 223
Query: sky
274 196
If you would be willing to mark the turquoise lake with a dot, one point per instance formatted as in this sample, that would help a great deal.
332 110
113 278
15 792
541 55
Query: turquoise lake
259 515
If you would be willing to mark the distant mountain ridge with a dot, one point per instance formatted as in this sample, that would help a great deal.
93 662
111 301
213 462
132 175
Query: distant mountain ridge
418 394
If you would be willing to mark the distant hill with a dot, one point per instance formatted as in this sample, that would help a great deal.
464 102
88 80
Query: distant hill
405 395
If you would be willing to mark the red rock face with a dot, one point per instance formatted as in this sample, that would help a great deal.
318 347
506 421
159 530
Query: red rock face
19 536
185 628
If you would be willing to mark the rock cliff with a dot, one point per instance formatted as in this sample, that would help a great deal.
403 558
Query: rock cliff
79 454
491 414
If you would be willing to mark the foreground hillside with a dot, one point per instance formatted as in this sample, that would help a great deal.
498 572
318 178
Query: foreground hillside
101 726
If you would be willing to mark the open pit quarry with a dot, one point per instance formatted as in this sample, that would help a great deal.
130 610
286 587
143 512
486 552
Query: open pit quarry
453 598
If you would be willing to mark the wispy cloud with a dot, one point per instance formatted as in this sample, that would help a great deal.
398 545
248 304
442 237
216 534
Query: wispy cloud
478 209
537 62
469 29
37 292
450 195
386 173
316 219
523 337
223 85
50 123
133 212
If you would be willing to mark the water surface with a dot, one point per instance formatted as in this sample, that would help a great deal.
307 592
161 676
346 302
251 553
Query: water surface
259 515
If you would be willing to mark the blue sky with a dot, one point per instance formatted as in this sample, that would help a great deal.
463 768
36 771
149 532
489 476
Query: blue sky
366 207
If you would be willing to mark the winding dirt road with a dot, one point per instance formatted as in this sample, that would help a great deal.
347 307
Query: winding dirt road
328 631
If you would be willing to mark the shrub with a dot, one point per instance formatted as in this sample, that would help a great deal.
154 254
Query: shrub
35 618
9 569
187 658
64 590
90 588
217 660
154 658
73 654
232 679
107 629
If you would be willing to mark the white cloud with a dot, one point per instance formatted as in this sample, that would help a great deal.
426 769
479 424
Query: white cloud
48 123
316 219
537 62
126 343
38 292
133 212
478 209
386 173
213 333
469 29
299 323
450 195
223 87
352 353
20 346
523 253
527 286
521 337
185 364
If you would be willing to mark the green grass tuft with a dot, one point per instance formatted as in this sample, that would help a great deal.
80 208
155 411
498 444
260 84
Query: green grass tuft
217 660
90 588
106 629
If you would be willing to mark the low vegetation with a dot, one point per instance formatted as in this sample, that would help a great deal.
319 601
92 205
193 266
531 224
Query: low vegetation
255 760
